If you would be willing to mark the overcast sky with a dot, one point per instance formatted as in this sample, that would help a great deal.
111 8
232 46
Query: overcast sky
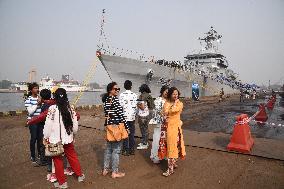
60 37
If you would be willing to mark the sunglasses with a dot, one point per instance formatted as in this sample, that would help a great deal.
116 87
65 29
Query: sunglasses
116 89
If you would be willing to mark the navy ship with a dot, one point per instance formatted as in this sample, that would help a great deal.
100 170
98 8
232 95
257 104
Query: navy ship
208 69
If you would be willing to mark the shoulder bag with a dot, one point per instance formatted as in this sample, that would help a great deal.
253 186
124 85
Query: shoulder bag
55 149
115 133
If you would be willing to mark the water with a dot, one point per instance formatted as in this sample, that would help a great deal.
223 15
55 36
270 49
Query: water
15 101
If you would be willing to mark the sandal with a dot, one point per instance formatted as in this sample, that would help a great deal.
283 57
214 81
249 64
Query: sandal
168 173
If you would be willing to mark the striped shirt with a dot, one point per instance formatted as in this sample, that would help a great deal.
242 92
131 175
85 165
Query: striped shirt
32 107
114 112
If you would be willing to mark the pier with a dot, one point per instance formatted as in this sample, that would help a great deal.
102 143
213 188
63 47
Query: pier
207 127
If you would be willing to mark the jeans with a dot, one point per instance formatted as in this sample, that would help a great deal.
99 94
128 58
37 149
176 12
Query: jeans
112 152
143 125
129 143
36 132
49 164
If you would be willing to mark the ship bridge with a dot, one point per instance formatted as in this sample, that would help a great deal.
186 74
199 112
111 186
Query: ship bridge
207 58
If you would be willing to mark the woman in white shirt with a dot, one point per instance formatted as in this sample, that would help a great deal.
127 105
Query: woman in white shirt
157 122
61 125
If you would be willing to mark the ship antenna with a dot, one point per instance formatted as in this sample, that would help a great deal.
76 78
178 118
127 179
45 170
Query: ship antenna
211 39
103 37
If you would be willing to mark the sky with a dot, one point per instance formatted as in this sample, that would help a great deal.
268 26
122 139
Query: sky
61 37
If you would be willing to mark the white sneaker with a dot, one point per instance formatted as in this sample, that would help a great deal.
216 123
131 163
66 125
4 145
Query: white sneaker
143 147
57 185
81 178
52 177
156 161
140 144
68 171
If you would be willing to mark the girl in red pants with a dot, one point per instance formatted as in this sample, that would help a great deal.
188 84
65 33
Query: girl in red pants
60 126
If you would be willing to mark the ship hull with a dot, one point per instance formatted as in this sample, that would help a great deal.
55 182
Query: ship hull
120 69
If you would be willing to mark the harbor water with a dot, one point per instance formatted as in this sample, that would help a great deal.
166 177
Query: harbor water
15 101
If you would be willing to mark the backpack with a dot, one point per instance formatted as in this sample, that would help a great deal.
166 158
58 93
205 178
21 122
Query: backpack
150 102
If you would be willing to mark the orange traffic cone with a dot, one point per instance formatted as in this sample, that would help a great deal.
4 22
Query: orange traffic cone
270 104
261 117
241 139
274 99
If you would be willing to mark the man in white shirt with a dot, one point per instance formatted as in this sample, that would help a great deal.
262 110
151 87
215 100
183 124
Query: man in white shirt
128 101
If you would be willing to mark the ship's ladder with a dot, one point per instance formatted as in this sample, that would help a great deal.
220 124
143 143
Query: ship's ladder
86 81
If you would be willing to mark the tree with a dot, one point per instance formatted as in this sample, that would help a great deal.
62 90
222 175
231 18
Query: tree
5 84
94 85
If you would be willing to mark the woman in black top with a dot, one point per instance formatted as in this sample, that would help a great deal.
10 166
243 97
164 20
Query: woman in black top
114 115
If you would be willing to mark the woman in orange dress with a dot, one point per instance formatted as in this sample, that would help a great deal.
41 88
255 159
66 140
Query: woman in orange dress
174 137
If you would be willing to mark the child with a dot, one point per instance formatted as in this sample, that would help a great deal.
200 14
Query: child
47 101
33 104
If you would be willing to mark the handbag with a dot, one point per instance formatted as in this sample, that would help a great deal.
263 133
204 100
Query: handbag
115 133
57 149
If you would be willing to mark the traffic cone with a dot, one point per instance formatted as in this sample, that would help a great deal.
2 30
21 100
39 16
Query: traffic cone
270 104
261 117
274 99
241 139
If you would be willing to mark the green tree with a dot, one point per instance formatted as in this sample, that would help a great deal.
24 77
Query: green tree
94 85
5 84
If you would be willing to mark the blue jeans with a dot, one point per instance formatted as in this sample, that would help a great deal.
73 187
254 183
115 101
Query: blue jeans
36 132
129 143
112 152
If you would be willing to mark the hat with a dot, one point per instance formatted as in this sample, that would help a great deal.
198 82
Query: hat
53 89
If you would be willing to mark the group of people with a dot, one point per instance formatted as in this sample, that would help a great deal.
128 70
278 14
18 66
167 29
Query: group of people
247 94
52 120
163 113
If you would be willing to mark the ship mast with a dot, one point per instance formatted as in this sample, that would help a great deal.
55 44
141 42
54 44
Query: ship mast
102 37
211 39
